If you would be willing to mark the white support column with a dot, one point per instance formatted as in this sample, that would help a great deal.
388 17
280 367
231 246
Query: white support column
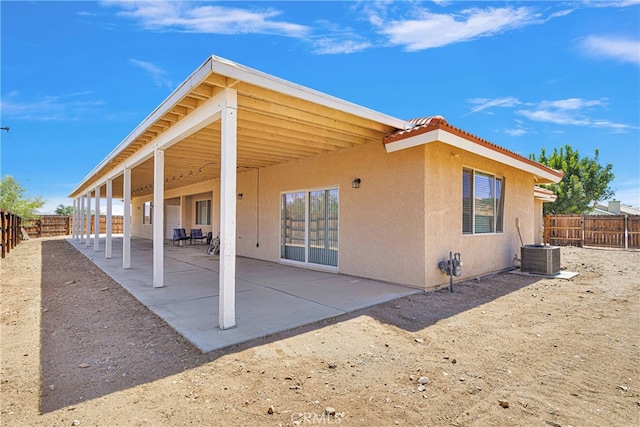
88 218
107 242
73 219
96 222
183 204
126 212
229 148
80 219
158 218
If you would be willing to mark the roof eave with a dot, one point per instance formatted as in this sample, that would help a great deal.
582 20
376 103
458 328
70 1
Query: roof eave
546 196
542 174
252 76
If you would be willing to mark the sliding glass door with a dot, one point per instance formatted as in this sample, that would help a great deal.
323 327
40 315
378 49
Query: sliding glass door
309 231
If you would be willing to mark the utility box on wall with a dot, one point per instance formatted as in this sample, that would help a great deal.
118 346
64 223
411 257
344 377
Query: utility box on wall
540 259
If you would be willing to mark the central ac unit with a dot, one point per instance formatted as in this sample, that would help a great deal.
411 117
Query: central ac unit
540 259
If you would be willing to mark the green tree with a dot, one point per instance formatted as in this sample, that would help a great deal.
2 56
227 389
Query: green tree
12 198
64 210
585 181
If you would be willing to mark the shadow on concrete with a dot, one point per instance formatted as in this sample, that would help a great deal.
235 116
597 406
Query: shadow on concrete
97 339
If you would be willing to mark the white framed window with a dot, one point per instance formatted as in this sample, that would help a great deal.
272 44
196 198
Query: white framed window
482 202
203 212
309 227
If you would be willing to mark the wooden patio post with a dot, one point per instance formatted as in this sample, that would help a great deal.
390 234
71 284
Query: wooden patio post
229 154
96 221
126 219
88 219
109 225
81 219
158 218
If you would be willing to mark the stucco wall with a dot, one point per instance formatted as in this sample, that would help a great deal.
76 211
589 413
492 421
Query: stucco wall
480 253
405 217
538 222
139 229
381 224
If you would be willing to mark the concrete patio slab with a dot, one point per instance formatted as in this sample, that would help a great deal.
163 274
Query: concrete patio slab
270 297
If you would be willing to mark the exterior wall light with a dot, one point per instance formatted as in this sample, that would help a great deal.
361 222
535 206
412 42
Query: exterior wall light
356 183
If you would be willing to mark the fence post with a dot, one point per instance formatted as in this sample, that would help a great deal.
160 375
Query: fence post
582 221
10 232
4 234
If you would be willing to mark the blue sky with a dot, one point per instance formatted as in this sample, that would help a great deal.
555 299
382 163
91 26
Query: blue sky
77 77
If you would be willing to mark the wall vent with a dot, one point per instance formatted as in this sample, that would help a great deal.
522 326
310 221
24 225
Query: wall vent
540 259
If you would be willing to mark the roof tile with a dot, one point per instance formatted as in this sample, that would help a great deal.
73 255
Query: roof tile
427 124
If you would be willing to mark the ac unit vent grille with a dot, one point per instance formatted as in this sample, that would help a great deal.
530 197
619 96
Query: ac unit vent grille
539 259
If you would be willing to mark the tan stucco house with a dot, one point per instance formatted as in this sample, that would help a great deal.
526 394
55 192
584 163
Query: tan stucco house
291 175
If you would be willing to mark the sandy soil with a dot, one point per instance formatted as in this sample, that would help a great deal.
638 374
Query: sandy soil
505 350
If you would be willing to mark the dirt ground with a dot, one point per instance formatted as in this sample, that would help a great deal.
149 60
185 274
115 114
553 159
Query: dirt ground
505 350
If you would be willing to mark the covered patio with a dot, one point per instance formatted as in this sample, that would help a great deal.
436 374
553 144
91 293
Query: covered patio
226 120
270 297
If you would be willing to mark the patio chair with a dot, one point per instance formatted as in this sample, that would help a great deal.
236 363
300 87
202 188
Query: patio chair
179 234
196 234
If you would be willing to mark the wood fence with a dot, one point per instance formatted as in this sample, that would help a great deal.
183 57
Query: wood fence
58 225
10 234
615 231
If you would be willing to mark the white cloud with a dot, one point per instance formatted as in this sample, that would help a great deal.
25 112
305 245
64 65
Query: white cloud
159 76
610 3
570 111
195 18
560 13
49 108
618 48
552 116
516 132
484 103
429 30
572 104
329 46
336 39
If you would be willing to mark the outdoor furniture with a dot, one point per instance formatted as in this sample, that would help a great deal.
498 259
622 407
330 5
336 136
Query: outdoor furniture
196 234
179 234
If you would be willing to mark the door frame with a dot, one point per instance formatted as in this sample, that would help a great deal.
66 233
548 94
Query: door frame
168 228
306 263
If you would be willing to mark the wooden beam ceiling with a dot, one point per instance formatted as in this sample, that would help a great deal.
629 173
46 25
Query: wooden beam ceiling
273 128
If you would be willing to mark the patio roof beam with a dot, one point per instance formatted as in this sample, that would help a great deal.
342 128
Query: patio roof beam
207 113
